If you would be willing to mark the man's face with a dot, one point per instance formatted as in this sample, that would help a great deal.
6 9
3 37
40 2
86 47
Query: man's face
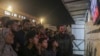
9 37
45 44
35 40
42 30
62 29
55 44
26 25
15 26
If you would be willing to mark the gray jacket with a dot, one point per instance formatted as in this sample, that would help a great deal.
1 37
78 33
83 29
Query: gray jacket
8 51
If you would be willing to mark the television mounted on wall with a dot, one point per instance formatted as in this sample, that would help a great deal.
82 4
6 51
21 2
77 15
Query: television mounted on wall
95 11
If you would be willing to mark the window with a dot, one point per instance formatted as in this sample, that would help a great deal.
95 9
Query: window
19 16
15 15
7 13
24 18
12 14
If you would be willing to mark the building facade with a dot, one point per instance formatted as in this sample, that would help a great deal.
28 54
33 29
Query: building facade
14 13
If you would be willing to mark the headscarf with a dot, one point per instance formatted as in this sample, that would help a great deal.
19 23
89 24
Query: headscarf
5 49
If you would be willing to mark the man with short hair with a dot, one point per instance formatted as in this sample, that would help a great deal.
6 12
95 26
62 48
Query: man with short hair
4 20
64 42
13 26
21 34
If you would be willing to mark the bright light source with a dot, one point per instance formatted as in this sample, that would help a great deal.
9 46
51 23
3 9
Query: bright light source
33 20
10 8
42 20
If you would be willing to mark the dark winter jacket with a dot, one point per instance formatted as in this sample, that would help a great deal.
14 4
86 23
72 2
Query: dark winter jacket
51 53
65 44
28 52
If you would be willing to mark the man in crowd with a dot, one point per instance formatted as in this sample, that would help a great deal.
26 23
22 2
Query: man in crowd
3 21
21 34
62 38
30 49
13 26
64 41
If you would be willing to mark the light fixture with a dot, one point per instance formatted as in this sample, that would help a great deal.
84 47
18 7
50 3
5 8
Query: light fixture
10 8
33 20
41 20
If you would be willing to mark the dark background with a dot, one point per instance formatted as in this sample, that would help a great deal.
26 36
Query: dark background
53 11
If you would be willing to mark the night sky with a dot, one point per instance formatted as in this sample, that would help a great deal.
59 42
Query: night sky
53 11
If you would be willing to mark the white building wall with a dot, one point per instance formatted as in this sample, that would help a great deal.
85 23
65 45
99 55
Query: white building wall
78 32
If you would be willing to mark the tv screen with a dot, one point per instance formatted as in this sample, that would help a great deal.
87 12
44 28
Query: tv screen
94 11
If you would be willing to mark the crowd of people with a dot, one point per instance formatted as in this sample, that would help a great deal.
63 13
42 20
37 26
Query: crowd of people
21 38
